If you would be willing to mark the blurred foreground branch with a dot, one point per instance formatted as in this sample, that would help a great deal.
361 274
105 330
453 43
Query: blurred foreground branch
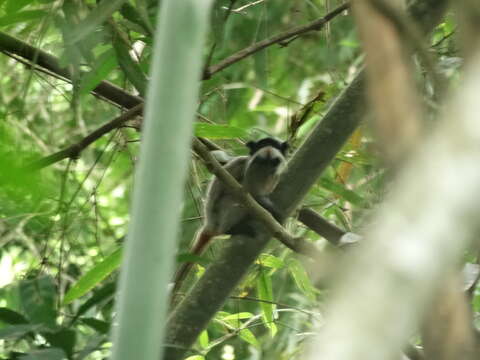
416 242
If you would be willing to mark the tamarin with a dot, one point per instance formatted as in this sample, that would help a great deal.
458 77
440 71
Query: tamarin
259 173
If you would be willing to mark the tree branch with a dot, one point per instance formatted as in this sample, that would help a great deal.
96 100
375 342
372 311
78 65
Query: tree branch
315 25
321 226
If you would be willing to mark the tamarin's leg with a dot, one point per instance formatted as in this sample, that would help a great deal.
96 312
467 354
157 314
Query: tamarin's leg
202 239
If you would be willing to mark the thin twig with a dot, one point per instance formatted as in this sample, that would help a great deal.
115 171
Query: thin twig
73 151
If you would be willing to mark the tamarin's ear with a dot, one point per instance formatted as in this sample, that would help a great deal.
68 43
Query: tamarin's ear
252 145
284 147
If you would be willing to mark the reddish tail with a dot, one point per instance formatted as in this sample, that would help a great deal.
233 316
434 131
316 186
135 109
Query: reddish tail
201 242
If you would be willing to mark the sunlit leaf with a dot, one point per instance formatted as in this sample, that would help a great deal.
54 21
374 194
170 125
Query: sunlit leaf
265 292
248 336
203 339
12 6
301 278
241 315
271 261
195 357
94 276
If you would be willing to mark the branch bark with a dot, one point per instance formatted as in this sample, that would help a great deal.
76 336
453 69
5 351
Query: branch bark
40 58
321 226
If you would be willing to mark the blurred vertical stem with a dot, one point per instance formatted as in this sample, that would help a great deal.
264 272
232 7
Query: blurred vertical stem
171 102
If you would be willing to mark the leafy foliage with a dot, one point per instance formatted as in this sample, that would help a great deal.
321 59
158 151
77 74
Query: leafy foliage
61 228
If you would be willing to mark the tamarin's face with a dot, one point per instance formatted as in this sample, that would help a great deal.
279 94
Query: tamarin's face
266 162
268 152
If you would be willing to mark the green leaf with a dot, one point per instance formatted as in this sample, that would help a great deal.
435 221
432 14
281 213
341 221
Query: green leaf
11 317
213 131
45 354
476 301
342 191
143 12
94 276
132 15
18 331
105 292
271 261
96 17
12 6
240 315
106 63
301 278
203 339
195 357
247 335
100 326
22 16
265 292
64 339
38 300
232 321
131 69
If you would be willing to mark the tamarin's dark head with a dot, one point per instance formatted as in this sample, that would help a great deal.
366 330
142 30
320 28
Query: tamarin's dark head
268 151
266 162
268 142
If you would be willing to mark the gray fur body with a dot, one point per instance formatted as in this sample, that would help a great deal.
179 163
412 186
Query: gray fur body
259 174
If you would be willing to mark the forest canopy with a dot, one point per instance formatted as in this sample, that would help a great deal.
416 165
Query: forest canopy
114 116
